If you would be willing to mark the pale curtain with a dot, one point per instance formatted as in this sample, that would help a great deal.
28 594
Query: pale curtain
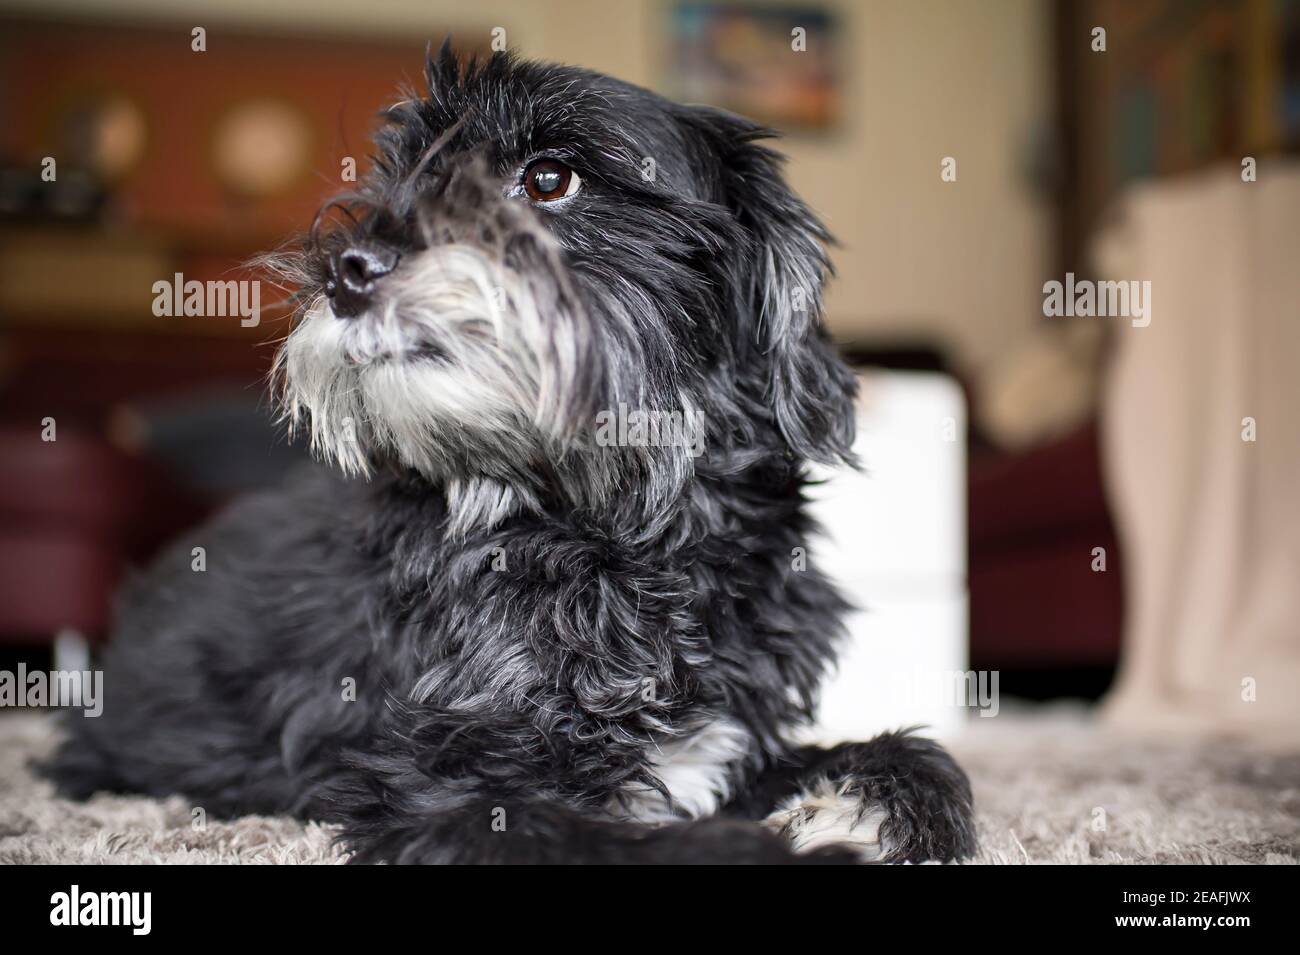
1209 521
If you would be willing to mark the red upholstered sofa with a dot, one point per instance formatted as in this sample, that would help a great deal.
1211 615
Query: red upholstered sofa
1035 519
74 514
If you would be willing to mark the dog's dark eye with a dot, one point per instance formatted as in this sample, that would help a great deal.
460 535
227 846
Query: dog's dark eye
547 180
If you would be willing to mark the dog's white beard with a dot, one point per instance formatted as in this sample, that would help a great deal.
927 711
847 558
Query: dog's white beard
504 367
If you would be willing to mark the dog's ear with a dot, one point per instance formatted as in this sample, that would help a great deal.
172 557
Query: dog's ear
780 271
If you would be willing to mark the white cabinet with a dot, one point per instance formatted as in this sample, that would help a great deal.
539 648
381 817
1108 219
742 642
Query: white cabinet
895 542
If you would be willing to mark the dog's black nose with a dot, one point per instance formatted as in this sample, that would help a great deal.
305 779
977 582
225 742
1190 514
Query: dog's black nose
353 274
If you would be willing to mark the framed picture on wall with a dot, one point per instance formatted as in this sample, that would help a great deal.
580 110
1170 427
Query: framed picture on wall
777 64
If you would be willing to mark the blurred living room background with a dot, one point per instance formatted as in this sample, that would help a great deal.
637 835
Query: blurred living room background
962 153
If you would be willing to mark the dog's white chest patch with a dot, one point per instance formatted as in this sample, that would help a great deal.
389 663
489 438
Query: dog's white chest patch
698 771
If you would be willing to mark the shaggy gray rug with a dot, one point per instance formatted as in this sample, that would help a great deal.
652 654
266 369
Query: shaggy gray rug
1049 787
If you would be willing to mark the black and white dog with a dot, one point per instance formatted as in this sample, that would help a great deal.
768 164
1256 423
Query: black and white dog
498 632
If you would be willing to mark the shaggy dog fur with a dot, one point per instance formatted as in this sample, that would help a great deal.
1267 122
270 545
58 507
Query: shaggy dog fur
497 632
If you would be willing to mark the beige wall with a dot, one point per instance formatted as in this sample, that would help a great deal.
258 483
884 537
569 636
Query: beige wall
925 79
963 260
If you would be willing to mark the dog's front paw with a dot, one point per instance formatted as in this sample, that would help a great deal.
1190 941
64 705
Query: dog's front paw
832 816
925 794
897 798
